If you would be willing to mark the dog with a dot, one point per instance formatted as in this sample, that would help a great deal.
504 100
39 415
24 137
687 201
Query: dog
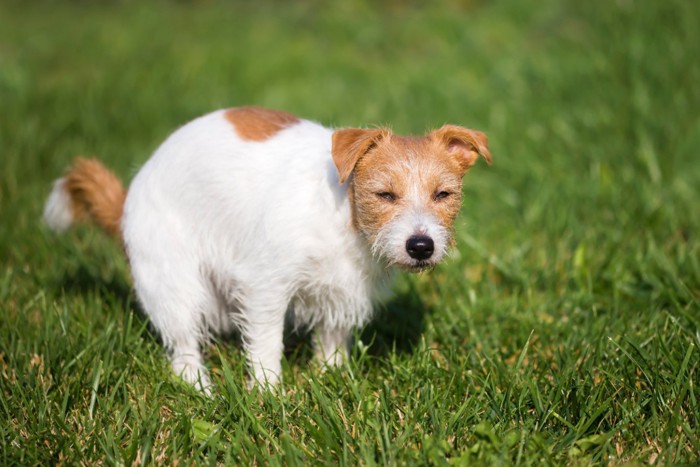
247 217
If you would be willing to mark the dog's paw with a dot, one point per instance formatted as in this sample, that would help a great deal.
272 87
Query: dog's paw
194 374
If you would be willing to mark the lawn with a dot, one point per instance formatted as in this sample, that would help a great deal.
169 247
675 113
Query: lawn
565 327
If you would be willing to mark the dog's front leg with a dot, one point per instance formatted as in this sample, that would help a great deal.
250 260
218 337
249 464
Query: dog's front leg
263 335
331 344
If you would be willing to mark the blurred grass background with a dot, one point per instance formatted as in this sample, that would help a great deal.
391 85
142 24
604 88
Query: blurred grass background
565 328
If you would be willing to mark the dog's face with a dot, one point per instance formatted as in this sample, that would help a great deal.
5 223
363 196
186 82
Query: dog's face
407 191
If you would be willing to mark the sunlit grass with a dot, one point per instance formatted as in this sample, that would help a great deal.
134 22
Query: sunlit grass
564 329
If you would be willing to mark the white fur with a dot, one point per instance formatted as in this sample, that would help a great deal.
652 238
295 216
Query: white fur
58 214
224 233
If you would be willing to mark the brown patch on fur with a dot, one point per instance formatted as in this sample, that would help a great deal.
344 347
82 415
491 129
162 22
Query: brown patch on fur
96 194
257 123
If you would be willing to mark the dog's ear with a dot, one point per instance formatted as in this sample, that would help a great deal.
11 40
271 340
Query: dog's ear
349 144
465 144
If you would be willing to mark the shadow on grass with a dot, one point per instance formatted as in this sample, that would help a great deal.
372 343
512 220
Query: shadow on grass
114 292
397 327
83 280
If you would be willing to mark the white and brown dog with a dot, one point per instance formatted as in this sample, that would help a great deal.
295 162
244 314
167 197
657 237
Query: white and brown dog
246 216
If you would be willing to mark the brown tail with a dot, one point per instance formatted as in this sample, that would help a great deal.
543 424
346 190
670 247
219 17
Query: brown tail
88 191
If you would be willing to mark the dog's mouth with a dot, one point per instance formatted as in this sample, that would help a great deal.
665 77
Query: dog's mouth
417 266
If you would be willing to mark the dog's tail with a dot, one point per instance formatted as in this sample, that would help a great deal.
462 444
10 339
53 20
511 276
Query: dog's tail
88 191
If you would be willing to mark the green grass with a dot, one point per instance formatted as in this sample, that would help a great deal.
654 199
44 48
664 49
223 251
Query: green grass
565 328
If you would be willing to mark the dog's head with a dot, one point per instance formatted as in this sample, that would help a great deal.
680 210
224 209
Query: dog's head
406 191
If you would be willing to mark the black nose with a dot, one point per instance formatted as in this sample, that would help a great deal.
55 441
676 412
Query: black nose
420 247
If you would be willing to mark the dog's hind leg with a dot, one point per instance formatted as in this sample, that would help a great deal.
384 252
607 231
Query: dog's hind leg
176 302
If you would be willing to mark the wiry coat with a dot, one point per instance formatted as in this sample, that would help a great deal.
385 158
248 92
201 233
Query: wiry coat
241 219
222 230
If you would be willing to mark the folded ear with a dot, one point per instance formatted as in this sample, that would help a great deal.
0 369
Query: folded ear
349 144
465 144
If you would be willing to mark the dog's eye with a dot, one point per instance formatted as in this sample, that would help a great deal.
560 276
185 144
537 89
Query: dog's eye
387 195
442 195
